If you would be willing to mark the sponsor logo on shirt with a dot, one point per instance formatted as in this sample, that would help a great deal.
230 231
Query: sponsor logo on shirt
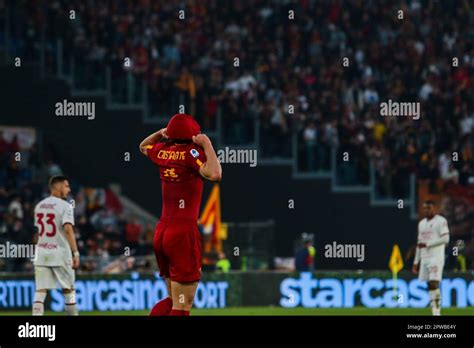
47 246
194 153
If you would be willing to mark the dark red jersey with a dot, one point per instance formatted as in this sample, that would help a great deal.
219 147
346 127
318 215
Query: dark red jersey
181 182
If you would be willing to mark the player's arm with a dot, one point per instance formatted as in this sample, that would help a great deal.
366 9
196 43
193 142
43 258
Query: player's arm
443 236
151 140
68 226
444 239
71 239
211 169
416 262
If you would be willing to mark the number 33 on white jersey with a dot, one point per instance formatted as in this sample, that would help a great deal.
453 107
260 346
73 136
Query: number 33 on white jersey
51 214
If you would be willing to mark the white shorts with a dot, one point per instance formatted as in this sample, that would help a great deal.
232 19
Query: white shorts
53 277
431 269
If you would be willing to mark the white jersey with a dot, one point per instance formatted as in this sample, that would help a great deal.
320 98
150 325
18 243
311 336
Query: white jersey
435 234
51 214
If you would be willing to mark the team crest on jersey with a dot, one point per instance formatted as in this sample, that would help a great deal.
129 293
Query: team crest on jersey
194 153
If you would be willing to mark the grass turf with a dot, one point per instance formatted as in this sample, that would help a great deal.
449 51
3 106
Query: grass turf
358 311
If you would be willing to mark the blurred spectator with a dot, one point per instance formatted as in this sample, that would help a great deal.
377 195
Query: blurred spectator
104 219
133 231
223 263
310 137
451 175
15 208
53 169
304 256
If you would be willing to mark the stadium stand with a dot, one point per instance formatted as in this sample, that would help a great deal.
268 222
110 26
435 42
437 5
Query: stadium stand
291 81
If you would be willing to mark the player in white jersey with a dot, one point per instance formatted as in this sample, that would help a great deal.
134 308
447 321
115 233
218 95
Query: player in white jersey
56 252
433 236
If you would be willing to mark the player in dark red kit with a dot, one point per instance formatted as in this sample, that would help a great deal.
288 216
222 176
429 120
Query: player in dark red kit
184 157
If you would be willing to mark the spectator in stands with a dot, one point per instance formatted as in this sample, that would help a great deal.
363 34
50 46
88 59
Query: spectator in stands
304 257
104 219
466 176
16 208
310 138
223 263
133 233
53 169
4 147
451 175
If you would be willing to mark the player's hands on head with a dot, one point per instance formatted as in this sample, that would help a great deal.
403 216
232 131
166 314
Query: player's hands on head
162 132
202 140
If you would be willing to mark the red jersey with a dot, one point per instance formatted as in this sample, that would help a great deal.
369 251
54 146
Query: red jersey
181 183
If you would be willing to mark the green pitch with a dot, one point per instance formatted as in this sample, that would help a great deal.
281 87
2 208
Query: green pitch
359 311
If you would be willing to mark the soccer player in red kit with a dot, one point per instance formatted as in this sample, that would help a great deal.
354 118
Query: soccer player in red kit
184 157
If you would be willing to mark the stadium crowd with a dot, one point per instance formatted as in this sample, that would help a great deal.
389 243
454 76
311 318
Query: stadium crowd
291 76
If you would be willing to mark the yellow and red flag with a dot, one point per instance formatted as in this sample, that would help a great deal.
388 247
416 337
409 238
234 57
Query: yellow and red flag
210 218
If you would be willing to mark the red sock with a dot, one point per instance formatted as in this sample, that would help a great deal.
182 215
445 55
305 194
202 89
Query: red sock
162 308
179 313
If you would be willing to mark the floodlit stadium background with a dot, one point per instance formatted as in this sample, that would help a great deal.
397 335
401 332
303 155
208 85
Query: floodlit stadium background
300 82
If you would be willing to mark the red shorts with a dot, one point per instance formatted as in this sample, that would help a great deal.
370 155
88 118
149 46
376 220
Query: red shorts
177 246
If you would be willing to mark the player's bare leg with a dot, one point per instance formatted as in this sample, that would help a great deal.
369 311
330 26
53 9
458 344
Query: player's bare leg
183 297
435 297
70 301
38 302
163 307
